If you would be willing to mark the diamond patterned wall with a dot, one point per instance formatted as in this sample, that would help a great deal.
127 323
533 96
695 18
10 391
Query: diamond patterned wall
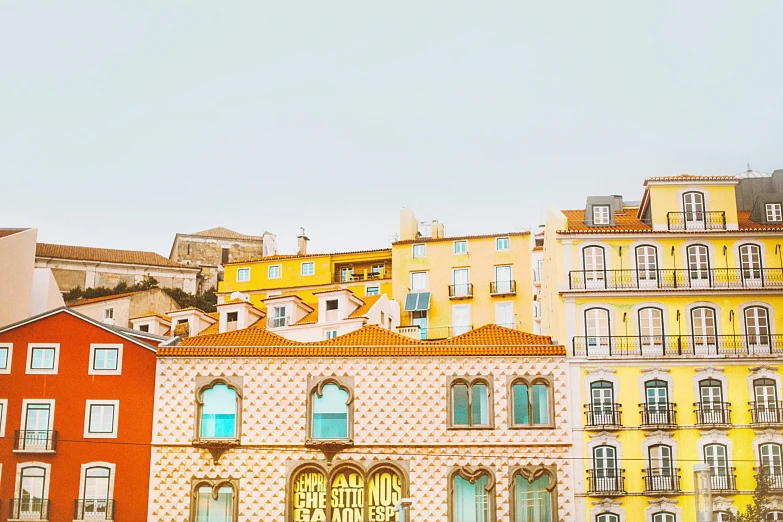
399 414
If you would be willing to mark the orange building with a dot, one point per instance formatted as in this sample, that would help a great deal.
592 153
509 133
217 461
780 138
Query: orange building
76 411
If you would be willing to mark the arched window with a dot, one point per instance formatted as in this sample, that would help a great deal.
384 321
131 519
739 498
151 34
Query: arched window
722 516
750 263
693 206
710 408
771 463
773 516
715 456
605 473
664 516
698 265
660 470
214 500
765 408
703 328
607 517
656 409
532 401
472 495
647 264
597 331
534 495
471 404
757 327
594 263
95 502
218 415
651 334
602 405
331 407
31 502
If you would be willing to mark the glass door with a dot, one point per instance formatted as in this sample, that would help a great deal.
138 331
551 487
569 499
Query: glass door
605 462
711 406
461 282
597 331
660 471
594 267
757 329
693 205
31 494
95 499
503 279
602 394
766 394
715 458
657 402
704 332
699 265
651 330
750 262
36 429
771 464
646 266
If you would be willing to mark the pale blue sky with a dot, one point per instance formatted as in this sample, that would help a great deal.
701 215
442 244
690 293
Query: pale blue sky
122 123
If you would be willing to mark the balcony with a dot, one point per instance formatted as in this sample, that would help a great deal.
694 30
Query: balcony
415 331
773 475
658 415
766 413
604 416
28 509
503 288
35 441
365 275
93 509
724 480
661 480
606 482
677 345
461 291
701 220
713 413
676 279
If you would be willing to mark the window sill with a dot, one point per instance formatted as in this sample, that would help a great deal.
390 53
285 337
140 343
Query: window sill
461 428
532 427
44 451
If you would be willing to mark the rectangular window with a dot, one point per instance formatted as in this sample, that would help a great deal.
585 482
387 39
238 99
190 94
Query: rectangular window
419 250
274 271
105 359
774 212
531 402
3 406
418 281
504 314
331 304
43 358
372 290
5 358
460 247
243 275
280 318
144 328
224 256
378 269
331 334
37 423
460 319
308 268
501 243
108 313
600 214
101 419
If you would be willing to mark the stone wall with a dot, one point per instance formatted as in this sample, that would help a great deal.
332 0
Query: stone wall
208 253
153 300
70 274
69 279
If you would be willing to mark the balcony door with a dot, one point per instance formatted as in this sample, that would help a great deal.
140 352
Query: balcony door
504 314
703 330
657 402
766 396
711 402
660 468
698 265
605 469
651 338
461 282
32 482
594 267
597 331
757 328
37 426
750 264
647 265
460 319
693 205
602 396
95 496
715 458
771 463
503 279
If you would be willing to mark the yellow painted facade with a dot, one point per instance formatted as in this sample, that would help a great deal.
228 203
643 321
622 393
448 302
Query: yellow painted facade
671 311
361 272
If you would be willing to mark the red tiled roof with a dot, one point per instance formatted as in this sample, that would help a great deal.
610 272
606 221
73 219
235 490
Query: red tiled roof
153 314
303 256
106 255
624 222
369 302
744 223
81 302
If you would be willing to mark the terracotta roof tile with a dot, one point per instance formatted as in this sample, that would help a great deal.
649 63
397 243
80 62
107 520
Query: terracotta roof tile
691 177
492 334
153 314
224 233
624 222
369 302
744 223
310 318
81 302
5 232
187 309
386 251
107 255
454 238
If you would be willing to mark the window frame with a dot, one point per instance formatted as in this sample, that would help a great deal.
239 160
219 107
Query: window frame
9 347
215 484
367 289
42 371
415 247
91 370
88 415
598 209
771 206
279 271
108 313
531 473
243 270
469 381
26 403
302 268
530 380
207 382
498 247
329 331
426 281
472 474
461 242
315 385
112 469
3 416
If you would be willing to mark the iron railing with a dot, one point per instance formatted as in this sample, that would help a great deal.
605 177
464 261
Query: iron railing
35 440
661 480
461 291
279 322
675 278
604 416
93 509
676 345
657 414
766 412
503 287
606 481
28 509
348 277
712 413
724 479
701 220
772 474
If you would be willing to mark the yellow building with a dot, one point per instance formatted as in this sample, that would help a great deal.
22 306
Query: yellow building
365 273
669 307
449 285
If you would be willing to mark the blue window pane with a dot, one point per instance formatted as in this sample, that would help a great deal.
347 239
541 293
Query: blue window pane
479 405
521 401
540 406
330 413
460 404
218 413
471 501
3 357
532 501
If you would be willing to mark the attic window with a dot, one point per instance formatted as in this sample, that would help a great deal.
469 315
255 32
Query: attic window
774 212
232 317
600 214
144 328
331 304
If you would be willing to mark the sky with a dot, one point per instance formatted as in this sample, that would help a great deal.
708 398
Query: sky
123 123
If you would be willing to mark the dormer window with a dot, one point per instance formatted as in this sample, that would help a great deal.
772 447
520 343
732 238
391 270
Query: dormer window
774 212
331 310
331 304
280 318
232 319
600 214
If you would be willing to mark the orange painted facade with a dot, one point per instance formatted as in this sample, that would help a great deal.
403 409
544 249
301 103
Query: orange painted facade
71 387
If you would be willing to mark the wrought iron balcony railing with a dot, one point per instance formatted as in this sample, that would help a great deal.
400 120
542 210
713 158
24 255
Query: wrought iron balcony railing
503 287
676 279
712 413
461 291
28 509
766 412
676 345
724 479
661 480
603 416
278 322
93 509
606 481
35 441
700 220
657 414
369 275
772 474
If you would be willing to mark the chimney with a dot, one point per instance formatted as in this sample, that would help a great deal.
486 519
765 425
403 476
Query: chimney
409 227
301 242
270 245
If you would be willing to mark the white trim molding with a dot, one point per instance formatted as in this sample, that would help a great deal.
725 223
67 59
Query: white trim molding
115 419
93 371
9 357
663 504
44 371
607 506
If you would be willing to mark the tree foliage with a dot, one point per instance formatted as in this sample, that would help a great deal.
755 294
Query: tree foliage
206 301
760 508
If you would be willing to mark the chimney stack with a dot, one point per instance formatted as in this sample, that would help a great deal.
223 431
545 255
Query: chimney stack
301 242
